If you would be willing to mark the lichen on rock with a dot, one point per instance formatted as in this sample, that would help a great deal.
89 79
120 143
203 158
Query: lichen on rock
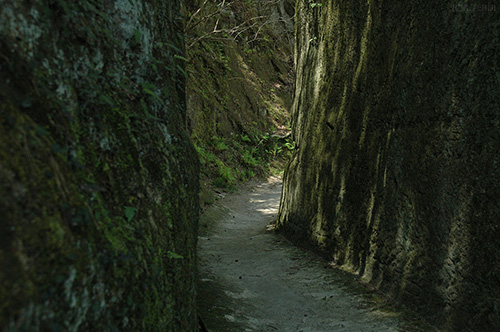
395 175
98 176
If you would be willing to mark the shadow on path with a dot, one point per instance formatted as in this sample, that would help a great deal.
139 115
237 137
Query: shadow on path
251 279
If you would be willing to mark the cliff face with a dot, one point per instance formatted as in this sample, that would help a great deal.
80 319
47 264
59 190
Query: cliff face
240 80
397 129
98 177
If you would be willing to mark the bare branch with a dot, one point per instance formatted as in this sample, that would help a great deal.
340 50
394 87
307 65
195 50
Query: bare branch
234 32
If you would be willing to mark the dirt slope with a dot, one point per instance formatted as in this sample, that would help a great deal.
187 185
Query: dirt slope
252 279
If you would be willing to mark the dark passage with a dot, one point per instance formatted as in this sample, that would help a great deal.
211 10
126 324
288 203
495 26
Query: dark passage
122 120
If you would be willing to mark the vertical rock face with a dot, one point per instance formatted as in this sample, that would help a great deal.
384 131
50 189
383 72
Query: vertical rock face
98 177
396 170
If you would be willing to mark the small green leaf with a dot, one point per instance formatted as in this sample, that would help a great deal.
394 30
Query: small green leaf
182 71
147 85
173 255
180 57
137 35
174 47
106 100
130 212
149 92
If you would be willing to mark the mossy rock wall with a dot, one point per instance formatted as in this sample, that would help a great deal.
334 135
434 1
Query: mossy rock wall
98 177
396 169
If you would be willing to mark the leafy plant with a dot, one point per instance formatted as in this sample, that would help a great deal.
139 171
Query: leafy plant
173 255
248 159
245 138
289 145
275 149
226 173
130 212
219 143
221 146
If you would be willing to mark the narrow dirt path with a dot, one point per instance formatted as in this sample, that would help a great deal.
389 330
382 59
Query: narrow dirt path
252 279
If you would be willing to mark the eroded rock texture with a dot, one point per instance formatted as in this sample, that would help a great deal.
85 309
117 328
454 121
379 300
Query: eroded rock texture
396 169
98 178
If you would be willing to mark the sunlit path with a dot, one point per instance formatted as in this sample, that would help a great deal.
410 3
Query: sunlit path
254 280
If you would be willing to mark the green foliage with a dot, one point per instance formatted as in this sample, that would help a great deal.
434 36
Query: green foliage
205 156
289 145
173 255
239 91
245 138
130 212
219 143
248 159
248 174
275 149
226 174
137 35
228 160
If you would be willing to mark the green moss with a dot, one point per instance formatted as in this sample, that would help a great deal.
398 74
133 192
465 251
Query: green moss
387 174
98 173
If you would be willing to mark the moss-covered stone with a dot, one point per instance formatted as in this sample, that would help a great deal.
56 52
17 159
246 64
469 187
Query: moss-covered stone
396 170
98 177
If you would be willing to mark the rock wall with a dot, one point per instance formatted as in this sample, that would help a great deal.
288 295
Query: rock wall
240 80
397 129
98 177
